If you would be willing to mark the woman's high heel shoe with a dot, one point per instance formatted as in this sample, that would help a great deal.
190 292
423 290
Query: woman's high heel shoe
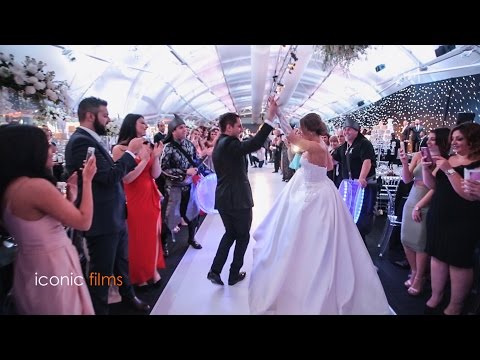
418 290
409 282
414 292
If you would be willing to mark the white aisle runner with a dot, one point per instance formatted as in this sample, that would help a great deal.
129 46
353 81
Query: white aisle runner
188 291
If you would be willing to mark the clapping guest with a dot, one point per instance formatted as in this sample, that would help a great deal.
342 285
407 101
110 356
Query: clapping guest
47 273
143 203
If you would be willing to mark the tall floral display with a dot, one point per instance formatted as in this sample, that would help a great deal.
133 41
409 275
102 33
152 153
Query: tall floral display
341 55
29 91
113 129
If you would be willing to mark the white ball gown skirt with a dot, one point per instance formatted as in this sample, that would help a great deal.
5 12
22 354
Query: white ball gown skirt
309 257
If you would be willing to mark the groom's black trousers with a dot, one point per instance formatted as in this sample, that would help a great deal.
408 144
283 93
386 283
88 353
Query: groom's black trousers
237 228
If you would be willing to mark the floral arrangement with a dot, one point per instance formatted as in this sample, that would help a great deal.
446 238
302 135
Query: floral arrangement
190 123
53 113
342 55
30 80
113 127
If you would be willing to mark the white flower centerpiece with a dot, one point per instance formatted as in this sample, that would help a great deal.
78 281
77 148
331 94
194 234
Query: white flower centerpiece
342 55
54 115
113 129
29 79
29 90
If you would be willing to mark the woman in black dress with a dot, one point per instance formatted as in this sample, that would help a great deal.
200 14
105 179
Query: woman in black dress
452 230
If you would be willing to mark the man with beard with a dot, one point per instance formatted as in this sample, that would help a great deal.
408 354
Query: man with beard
107 239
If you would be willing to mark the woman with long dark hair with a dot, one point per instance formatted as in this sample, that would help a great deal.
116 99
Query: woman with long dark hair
47 273
145 254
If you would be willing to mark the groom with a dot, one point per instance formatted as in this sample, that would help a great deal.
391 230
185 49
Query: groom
233 195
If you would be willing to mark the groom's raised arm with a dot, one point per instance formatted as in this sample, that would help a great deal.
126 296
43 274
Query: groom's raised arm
255 143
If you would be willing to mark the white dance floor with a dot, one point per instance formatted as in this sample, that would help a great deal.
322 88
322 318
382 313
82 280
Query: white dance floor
188 291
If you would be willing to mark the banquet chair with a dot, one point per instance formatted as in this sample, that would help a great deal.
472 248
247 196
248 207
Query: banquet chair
392 220
386 183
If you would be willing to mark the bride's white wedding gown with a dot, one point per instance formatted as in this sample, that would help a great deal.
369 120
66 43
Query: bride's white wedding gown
309 257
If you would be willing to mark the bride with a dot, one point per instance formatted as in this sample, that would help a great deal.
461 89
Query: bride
309 257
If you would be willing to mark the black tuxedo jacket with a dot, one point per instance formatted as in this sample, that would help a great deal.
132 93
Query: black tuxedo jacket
406 133
109 212
233 190
416 133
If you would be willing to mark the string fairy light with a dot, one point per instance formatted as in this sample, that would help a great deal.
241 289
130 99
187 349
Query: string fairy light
435 104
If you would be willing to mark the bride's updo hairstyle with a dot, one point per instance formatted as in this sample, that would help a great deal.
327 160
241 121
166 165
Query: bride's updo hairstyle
313 123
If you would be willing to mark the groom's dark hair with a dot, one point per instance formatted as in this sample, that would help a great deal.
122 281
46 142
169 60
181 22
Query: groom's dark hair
229 118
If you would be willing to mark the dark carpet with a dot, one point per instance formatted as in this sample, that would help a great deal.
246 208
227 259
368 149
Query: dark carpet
391 275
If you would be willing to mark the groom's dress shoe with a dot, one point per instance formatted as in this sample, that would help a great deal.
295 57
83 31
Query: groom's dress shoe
214 278
195 244
240 277
166 250
138 304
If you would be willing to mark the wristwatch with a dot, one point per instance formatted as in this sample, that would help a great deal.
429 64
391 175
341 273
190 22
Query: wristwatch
450 172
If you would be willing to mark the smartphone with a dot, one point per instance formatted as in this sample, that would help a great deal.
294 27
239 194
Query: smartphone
90 152
426 154
471 174
402 146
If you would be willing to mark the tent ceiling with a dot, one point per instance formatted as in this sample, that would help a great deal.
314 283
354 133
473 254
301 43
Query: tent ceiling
204 81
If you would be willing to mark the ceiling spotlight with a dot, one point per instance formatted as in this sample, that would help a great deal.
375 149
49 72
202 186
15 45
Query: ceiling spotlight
69 54
279 88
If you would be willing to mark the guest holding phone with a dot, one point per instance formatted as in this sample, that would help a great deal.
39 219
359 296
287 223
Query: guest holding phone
452 230
472 187
107 238
47 273
414 227
145 253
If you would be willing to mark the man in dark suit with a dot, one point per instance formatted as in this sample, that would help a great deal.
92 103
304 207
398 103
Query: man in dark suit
161 132
233 195
405 134
107 239
423 139
392 153
416 130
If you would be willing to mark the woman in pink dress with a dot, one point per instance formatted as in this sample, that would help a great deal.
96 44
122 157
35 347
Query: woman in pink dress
47 273
145 252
